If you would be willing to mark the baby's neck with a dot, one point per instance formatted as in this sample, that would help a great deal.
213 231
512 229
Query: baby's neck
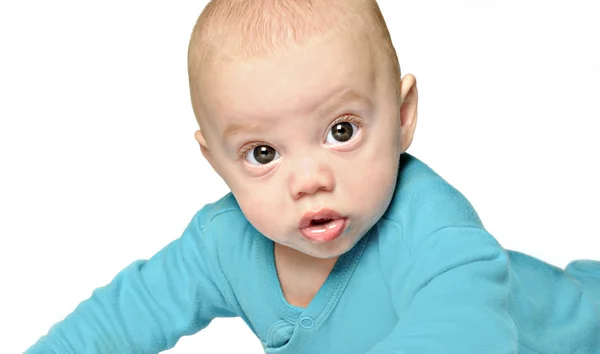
300 275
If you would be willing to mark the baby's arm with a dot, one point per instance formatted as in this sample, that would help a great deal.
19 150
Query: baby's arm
458 297
149 305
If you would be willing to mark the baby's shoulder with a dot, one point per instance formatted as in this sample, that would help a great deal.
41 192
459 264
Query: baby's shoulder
424 203
219 211
428 225
224 236
222 221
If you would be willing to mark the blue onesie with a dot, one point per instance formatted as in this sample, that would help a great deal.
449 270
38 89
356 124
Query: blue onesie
427 278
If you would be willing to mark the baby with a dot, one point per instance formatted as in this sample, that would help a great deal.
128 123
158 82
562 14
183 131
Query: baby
333 238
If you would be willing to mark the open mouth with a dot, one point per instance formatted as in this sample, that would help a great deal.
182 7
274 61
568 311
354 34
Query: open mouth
318 217
319 222
322 225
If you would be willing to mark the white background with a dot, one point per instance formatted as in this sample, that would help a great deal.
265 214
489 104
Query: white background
98 165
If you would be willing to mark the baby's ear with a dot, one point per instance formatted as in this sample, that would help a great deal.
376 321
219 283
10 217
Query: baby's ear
409 98
204 148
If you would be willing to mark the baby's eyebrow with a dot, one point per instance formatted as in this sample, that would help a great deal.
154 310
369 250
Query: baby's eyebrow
346 96
237 129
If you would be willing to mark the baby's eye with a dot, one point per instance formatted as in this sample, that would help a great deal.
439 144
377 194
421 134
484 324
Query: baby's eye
261 155
341 132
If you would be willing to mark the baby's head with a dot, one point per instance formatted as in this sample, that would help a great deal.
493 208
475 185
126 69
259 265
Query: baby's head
303 114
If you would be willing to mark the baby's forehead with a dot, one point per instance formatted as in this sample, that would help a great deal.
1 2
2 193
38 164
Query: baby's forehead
295 83
229 31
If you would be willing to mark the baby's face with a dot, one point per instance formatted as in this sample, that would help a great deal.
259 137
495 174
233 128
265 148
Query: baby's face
308 142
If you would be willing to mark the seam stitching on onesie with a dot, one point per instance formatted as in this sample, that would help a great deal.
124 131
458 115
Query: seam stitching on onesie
401 234
226 295
50 345
488 239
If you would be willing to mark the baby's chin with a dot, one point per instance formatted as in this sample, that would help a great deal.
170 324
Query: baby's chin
334 252
326 250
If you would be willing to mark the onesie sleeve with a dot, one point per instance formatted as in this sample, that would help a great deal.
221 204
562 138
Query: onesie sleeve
452 295
150 304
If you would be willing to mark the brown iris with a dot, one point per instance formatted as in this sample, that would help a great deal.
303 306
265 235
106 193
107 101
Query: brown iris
342 131
264 154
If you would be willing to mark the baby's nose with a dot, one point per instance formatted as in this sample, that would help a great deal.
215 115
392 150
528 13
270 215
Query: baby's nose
309 177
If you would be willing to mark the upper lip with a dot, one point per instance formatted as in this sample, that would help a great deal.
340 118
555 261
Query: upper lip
318 214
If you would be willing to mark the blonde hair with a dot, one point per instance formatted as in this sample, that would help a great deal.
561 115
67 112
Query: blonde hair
242 29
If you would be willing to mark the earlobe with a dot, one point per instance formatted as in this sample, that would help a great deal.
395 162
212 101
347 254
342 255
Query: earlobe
409 97
204 148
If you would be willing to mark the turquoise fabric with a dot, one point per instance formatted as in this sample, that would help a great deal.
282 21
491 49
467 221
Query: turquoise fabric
427 278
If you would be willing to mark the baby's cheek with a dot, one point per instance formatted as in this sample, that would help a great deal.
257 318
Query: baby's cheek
254 212
261 210
375 186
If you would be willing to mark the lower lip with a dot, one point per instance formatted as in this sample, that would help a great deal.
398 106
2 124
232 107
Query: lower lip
326 232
